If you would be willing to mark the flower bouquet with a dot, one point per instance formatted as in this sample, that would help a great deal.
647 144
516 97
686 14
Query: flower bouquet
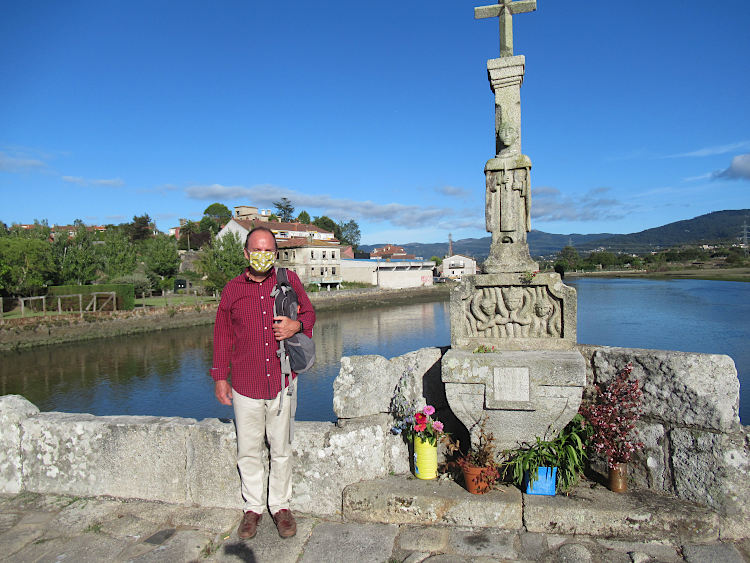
419 424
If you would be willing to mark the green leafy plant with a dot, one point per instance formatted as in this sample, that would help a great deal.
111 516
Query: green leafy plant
483 349
567 452
528 276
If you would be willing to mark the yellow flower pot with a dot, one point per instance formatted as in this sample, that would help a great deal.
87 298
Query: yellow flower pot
425 459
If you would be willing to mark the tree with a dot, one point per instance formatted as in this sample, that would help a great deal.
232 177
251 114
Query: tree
222 260
140 228
350 233
328 224
285 209
40 231
26 265
3 229
273 217
303 217
80 257
186 233
117 255
218 212
437 260
161 257
567 259
209 225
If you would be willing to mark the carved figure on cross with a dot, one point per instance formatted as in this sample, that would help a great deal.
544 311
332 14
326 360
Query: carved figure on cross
505 9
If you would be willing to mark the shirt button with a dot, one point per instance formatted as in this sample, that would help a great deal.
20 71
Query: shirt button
261 297
266 343
268 360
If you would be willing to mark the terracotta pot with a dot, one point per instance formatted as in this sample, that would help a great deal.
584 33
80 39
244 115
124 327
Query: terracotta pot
473 480
618 478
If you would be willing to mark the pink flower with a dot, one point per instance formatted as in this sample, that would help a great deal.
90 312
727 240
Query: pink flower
428 410
437 425
420 427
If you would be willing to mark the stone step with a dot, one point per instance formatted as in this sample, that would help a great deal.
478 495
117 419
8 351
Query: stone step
401 499
589 510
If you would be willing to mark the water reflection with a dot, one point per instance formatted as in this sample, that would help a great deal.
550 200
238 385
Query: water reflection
166 373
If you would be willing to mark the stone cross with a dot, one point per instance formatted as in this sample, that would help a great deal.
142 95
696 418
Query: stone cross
505 10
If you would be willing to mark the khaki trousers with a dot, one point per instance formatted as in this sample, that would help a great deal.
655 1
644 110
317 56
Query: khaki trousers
256 419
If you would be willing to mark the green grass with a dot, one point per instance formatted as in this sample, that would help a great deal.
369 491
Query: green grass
170 301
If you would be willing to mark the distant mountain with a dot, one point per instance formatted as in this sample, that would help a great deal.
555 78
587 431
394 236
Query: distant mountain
719 226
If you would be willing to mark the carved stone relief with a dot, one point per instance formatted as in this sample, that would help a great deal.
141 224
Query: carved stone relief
512 312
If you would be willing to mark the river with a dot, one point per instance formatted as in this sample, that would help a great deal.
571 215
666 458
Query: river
165 373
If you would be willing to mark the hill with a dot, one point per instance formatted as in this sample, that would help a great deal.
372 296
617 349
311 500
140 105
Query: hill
719 226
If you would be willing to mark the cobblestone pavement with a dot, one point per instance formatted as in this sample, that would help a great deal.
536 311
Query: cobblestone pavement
59 528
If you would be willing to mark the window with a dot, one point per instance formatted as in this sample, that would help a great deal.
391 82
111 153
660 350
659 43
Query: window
333 255
286 255
324 255
334 271
312 254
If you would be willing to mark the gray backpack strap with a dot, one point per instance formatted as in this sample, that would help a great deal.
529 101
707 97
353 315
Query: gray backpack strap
286 369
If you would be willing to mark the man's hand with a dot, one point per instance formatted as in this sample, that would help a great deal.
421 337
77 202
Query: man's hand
284 327
223 392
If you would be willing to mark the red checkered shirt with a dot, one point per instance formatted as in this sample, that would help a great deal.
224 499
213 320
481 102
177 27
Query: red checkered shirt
243 335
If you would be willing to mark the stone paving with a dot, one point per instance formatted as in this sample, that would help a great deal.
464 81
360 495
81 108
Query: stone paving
56 528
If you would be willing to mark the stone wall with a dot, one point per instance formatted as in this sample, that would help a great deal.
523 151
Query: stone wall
696 448
694 445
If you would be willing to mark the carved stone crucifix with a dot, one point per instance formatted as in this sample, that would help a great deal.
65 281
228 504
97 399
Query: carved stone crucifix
505 10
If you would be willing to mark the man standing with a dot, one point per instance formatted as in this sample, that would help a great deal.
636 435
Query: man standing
246 336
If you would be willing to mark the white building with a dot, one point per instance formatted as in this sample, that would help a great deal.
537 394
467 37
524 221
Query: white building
388 274
457 266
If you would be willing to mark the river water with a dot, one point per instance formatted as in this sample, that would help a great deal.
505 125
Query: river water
165 373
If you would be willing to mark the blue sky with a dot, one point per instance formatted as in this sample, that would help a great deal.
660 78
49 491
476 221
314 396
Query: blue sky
634 114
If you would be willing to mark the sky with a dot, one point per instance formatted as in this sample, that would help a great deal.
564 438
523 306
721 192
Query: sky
634 114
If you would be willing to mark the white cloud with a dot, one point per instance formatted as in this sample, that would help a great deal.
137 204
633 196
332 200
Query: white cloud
713 151
18 164
739 169
114 182
263 196
549 204
453 191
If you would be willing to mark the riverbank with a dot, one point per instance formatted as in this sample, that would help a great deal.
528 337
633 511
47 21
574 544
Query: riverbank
715 274
24 333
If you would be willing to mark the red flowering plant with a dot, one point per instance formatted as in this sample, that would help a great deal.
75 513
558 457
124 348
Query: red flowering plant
411 422
612 414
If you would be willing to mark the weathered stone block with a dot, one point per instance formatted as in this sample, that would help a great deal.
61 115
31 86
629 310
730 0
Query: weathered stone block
365 384
212 478
328 458
600 512
712 469
398 499
126 456
680 388
522 394
13 409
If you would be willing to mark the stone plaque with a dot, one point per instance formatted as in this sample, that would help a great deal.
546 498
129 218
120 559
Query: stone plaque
510 389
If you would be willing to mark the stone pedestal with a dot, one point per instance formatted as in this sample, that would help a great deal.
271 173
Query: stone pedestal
522 394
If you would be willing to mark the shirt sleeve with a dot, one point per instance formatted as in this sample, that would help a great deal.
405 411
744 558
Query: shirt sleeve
306 313
222 339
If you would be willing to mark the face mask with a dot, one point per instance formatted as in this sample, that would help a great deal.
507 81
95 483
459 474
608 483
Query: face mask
261 261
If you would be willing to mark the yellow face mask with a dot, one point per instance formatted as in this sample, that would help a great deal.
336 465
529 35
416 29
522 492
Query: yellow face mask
261 260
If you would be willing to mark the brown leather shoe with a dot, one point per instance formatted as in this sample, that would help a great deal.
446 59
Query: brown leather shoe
249 525
285 523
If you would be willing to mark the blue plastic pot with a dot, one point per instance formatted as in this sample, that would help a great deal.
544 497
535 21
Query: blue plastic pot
544 484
